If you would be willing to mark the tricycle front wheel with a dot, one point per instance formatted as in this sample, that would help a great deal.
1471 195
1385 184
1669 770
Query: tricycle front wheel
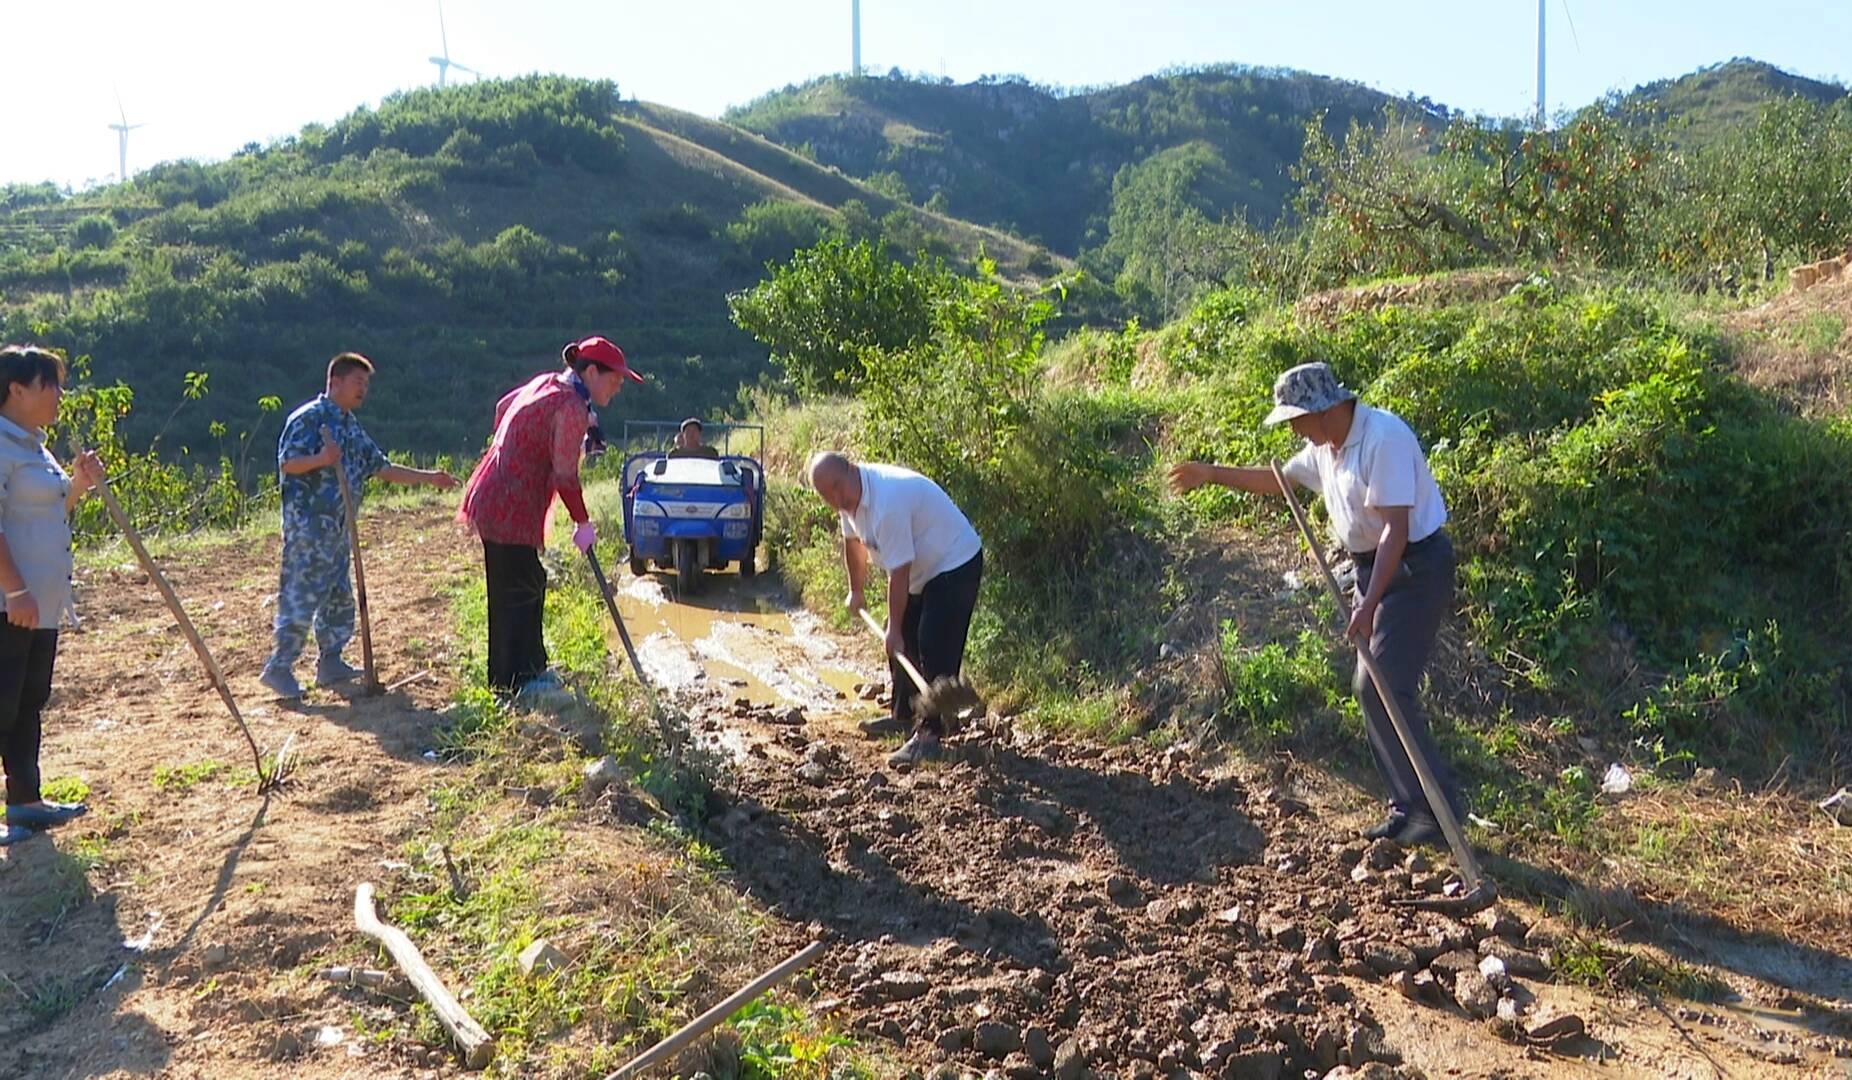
688 566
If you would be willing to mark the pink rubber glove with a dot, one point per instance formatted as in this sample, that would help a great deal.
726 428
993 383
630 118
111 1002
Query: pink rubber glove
584 536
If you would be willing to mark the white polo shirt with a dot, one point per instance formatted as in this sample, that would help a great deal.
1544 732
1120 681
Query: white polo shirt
1380 464
905 518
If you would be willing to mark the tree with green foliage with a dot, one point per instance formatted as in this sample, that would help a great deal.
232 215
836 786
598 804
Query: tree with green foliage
822 311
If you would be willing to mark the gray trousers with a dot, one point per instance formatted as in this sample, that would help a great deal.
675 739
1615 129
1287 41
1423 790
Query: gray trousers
1407 621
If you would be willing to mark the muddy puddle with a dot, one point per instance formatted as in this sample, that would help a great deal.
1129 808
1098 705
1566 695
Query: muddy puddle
736 639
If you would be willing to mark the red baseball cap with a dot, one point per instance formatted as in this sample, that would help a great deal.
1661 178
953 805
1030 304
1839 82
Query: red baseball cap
600 351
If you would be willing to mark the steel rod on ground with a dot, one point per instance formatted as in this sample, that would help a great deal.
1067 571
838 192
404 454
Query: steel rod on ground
712 1018
264 780
1424 770
369 674
478 1048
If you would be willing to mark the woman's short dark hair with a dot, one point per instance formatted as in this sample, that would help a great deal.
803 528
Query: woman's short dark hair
28 365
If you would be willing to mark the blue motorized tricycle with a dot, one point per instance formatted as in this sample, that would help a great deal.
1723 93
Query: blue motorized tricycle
692 513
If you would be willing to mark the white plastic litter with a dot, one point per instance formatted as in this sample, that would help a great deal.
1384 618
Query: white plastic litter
329 1036
1618 780
1838 806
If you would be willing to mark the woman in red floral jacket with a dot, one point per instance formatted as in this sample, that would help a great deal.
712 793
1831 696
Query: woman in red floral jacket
540 432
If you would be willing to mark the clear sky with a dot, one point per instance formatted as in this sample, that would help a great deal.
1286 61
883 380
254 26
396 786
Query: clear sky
208 76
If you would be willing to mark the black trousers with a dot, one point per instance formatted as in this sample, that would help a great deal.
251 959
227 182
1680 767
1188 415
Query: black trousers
517 602
26 658
1407 621
934 628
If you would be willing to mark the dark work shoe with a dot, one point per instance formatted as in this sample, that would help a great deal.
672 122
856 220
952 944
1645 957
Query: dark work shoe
44 815
923 746
1420 829
876 726
1391 824
282 681
331 669
13 834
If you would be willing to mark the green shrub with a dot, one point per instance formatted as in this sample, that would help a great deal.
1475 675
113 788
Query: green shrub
93 231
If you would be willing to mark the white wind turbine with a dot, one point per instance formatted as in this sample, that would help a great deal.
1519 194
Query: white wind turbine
444 63
122 140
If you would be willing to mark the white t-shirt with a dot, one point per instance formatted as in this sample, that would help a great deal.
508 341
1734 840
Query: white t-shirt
1380 464
905 518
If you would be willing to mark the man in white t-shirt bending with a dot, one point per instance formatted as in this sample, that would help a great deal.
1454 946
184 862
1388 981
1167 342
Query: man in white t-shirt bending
934 560
1387 511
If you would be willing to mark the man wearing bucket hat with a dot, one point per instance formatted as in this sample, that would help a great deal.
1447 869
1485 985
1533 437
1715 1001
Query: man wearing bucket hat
1387 511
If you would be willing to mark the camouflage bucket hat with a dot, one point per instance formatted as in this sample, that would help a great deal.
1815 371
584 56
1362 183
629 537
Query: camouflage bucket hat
1308 388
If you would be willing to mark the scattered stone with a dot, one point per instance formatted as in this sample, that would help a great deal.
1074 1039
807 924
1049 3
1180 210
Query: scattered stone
1498 922
791 717
875 780
1283 932
1360 873
1525 965
599 775
542 957
1475 994
899 986
1366 1044
1070 1059
995 1039
1035 1044
1382 854
1124 891
1560 1028
813 773
1260 1064
954 1040
287 1045
840 797
1417 986
215 956
1449 964
1387 957
1493 970
1178 912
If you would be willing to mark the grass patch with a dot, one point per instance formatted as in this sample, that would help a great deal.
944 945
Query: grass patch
1584 959
65 789
180 779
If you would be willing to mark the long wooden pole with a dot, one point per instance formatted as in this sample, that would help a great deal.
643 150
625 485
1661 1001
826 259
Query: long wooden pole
906 664
478 1048
370 676
623 634
1424 771
710 1019
264 780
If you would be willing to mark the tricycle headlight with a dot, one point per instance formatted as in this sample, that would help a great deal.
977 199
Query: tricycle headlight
646 509
736 511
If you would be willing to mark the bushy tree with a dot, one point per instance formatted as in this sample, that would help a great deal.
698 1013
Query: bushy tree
820 312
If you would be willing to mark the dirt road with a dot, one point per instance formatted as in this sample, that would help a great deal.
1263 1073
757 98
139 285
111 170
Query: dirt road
1032 905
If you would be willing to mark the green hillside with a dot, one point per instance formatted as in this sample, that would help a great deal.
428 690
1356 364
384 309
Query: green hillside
1041 162
458 236
1711 101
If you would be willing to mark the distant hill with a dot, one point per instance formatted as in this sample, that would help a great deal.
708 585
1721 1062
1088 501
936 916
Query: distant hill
459 237
1705 104
1041 162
